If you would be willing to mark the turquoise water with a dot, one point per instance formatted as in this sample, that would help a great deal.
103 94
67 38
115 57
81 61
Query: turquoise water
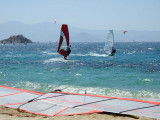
134 72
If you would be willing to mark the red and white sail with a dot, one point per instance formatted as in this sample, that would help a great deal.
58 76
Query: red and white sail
63 35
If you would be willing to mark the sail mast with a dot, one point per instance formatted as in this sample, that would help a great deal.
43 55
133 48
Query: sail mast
113 39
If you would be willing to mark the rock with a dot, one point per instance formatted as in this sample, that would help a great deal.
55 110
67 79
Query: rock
16 39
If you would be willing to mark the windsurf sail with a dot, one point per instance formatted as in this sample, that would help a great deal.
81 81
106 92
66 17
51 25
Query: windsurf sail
109 44
58 103
64 46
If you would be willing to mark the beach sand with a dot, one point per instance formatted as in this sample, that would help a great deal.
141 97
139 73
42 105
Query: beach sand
12 114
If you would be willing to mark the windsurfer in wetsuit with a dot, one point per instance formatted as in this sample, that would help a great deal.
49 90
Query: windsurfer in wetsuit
68 50
113 51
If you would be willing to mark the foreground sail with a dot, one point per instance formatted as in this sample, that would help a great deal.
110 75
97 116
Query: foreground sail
109 44
62 103
64 47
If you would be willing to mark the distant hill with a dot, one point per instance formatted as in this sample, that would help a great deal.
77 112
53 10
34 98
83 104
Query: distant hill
50 32
16 39
85 37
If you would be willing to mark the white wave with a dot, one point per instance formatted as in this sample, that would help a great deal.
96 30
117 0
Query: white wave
28 85
55 60
144 95
58 60
78 74
44 52
49 53
98 55
150 48
44 87
52 53
79 89
129 53
92 54
78 54
147 80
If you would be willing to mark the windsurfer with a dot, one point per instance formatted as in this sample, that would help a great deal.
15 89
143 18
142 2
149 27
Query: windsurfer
68 50
113 51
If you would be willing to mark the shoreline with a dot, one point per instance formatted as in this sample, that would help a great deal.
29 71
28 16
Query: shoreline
7 113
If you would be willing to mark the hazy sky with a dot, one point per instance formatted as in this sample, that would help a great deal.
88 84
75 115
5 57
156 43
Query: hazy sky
88 14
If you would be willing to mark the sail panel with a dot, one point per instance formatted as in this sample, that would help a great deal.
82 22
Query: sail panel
109 43
66 33
60 43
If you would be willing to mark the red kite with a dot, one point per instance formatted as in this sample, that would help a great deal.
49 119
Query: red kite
125 32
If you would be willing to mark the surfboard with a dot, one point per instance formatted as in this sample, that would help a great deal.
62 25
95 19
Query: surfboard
59 103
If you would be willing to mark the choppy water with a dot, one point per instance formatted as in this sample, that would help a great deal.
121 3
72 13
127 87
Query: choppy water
133 72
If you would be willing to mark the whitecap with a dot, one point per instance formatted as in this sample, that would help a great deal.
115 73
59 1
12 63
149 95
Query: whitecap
150 48
79 54
98 55
129 53
147 80
44 52
52 53
78 74
49 53
91 54
55 60
58 60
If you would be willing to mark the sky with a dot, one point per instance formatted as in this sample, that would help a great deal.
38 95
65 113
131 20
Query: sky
86 14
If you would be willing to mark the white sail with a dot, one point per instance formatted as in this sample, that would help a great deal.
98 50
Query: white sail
109 43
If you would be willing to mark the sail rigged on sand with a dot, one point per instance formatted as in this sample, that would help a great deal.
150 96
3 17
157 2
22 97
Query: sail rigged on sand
109 44
59 103
63 46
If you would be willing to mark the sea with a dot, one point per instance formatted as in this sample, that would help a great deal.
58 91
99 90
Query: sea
133 72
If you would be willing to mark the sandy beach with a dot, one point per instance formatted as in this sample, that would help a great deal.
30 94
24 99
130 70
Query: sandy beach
12 114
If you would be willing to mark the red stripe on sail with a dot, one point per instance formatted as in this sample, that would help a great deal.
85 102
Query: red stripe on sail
66 32
62 52
60 43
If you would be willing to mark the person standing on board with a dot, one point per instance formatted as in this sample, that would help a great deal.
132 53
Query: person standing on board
113 51
68 50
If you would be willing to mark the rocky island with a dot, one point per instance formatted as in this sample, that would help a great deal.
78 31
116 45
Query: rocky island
16 39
